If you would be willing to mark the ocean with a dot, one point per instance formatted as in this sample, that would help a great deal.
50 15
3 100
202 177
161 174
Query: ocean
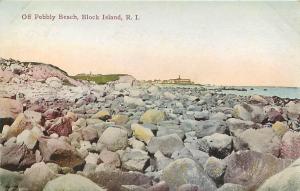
283 92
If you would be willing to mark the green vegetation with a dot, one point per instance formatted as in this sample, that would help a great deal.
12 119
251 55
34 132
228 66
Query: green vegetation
99 78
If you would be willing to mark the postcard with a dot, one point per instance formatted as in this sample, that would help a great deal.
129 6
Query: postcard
150 95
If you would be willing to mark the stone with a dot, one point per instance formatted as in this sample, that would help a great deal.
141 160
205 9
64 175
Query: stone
36 177
186 171
274 115
103 115
92 158
161 161
161 186
18 126
237 126
120 119
167 130
16 157
10 108
215 169
250 168
141 133
249 112
153 116
286 180
293 110
209 127
136 144
262 140
203 115
134 160
169 95
110 158
290 145
60 152
33 116
132 101
189 187
54 82
114 179
9 180
166 144
89 134
66 183
28 138
51 114
280 128
61 126
257 99
231 187
114 139
81 122
220 145
218 116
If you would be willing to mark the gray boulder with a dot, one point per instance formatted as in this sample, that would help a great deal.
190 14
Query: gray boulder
166 144
9 180
286 180
220 145
114 139
250 169
249 112
134 159
261 140
209 127
72 182
186 171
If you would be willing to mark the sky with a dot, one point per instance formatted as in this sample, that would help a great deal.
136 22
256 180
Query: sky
221 43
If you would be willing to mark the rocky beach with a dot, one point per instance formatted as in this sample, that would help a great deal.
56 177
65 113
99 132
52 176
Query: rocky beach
59 133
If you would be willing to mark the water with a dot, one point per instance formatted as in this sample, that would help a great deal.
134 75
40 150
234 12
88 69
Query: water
283 92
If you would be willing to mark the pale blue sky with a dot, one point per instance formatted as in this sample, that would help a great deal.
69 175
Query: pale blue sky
231 43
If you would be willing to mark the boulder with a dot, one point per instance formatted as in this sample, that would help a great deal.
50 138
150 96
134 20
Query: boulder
220 145
134 159
28 137
61 126
60 152
132 101
249 112
236 126
36 177
103 115
141 133
153 116
293 110
257 99
170 129
203 115
186 171
114 179
231 187
17 127
280 128
250 169
72 182
9 180
215 169
261 140
169 95
89 134
166 144
9 109
16 157
114 139
33 116
120 119
189 187
110 158
290 146
209 127
286 180
54 82
161 161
